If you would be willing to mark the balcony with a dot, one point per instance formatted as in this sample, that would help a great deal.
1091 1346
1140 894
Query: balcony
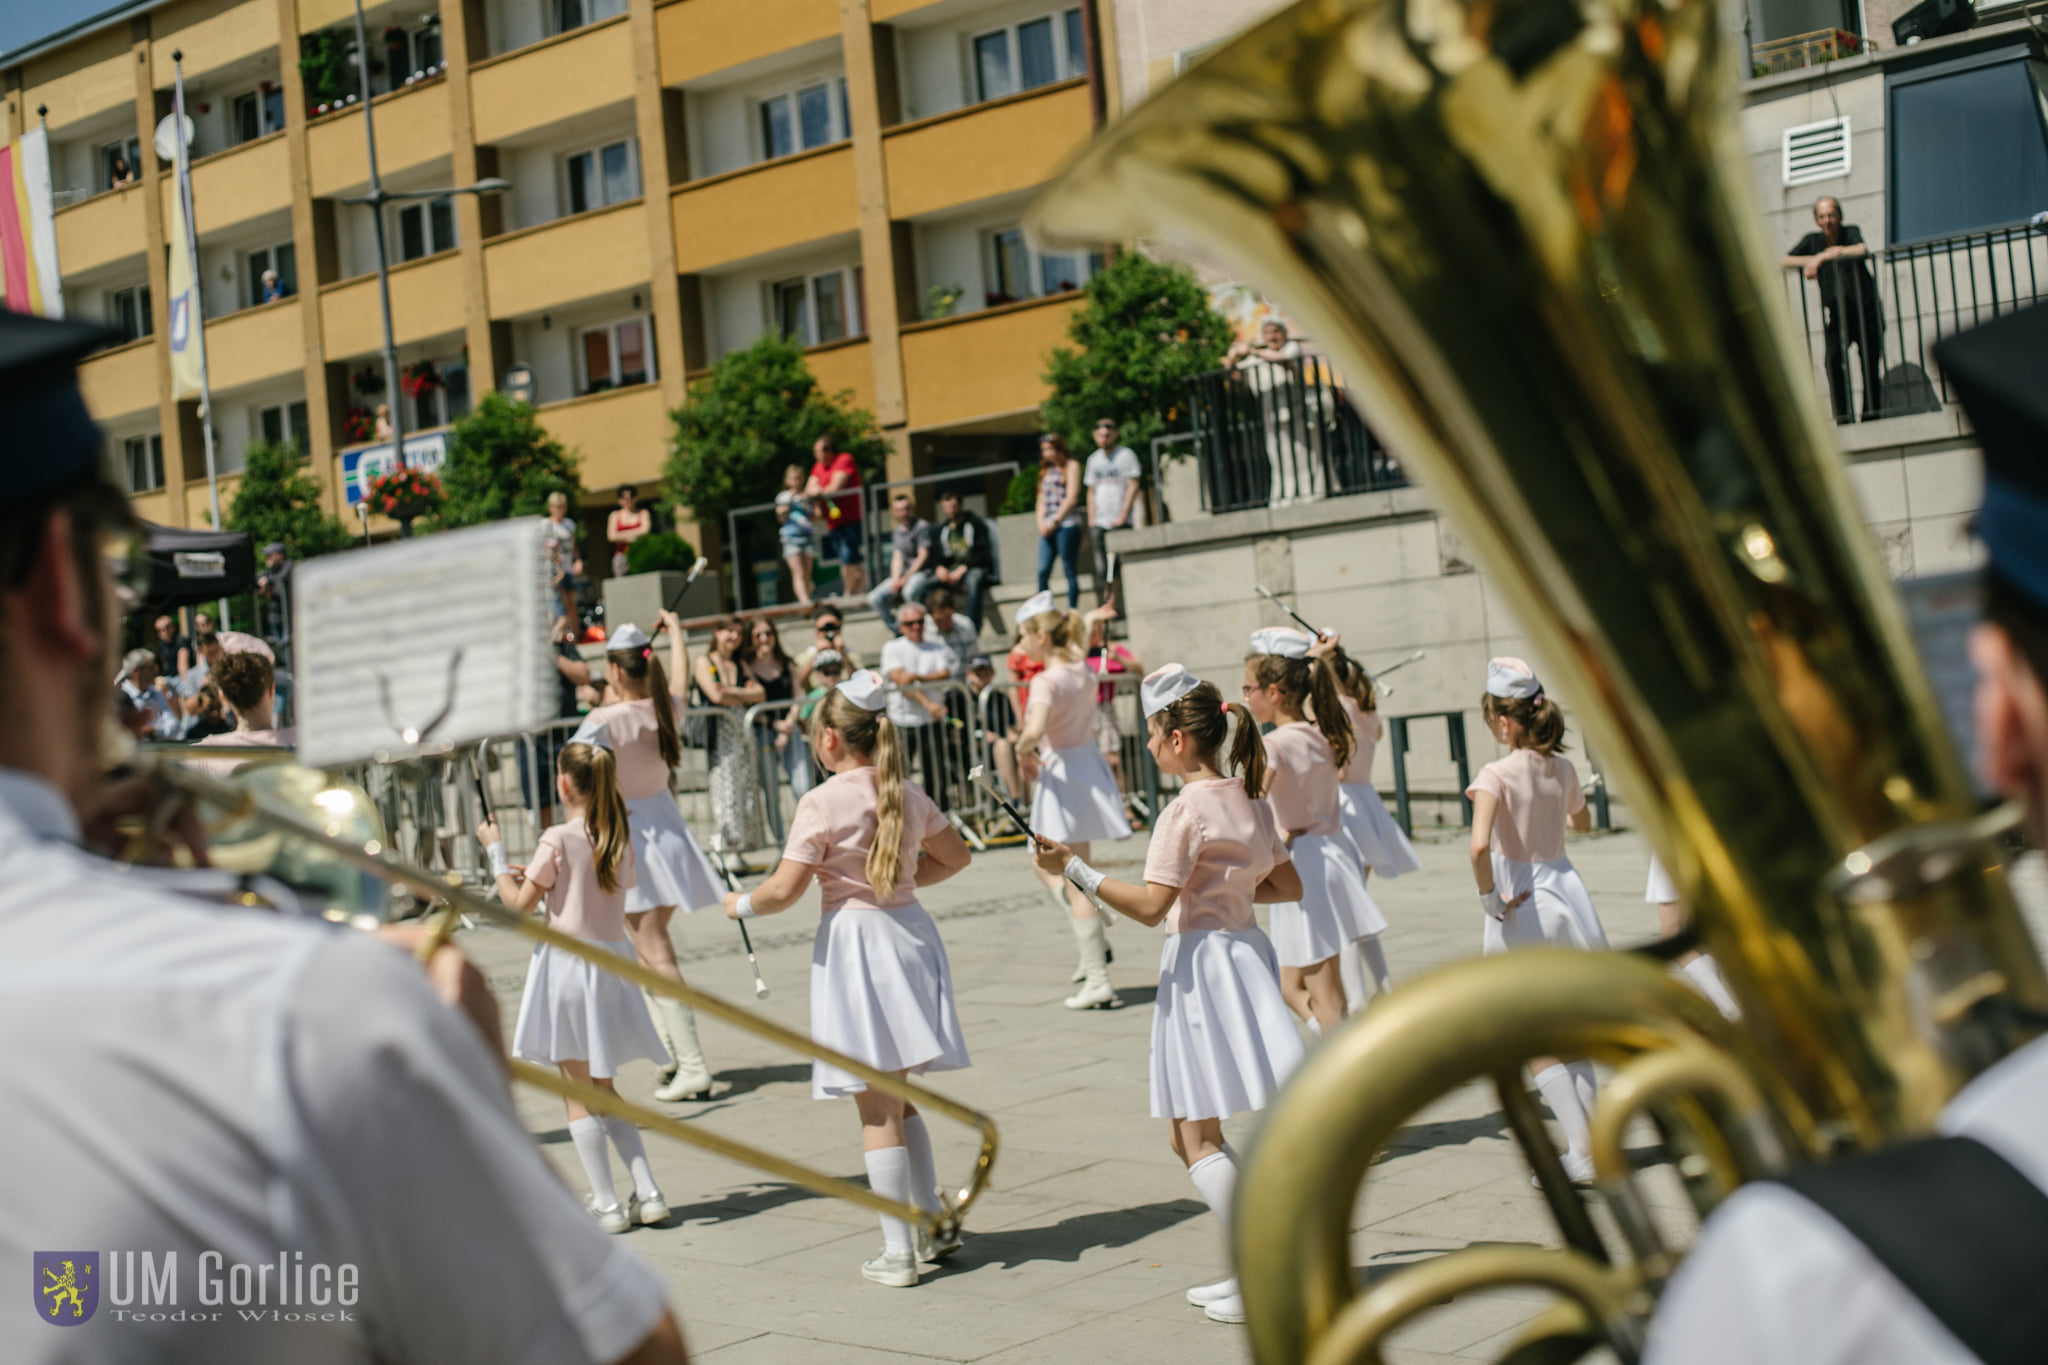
766 207
412 130
94 74
426 301
555 263
236 185
1804 49
215 35
152 507
120 381
552 80
101 230
981 364
976 153
848 364
255 344
622 434
702 36
1283 432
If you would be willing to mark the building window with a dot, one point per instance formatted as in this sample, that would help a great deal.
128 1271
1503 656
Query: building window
604 175
1027 55
617 354
118 164
798 120
285 422
255 114
283 258
128 312
1966 147
142 457
815 309
426 50
424 229
574 14
1019 272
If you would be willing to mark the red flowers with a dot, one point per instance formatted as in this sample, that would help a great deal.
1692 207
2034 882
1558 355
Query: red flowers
406 493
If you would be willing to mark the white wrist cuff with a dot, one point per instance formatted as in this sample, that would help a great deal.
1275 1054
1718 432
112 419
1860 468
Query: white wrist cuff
1490 902
1083 876
501 861
744 906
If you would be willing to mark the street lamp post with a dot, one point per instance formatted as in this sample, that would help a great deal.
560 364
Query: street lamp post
375 200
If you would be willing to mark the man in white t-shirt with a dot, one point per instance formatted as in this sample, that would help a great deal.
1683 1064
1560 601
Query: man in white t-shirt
1115 497
909 660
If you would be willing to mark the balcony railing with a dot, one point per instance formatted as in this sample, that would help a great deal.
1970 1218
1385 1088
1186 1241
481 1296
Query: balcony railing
1279 432
1892 307
1804 49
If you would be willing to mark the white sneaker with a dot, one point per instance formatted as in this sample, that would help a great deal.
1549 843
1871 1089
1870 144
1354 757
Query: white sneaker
1094 998
896 1269
612 1219
1577 1169
1230 1310
1202 1295
646 1210
931 1250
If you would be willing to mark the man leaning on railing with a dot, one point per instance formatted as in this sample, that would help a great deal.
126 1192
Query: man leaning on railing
1835 257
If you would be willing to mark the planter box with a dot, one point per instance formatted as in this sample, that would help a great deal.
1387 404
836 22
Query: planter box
639 598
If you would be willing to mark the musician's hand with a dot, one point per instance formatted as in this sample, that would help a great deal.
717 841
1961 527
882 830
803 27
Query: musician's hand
109 817
1051 856
732 905
487 833
1325 647
668 620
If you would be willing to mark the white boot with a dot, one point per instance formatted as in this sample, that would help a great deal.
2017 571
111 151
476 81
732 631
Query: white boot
1705 975
668 1068
692 1079
1095 992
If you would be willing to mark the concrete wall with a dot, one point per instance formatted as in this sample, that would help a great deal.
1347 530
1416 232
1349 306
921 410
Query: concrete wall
1150 34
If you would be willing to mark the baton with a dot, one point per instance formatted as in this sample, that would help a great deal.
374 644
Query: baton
1267 593
1386 690
688 579
746 939
978 775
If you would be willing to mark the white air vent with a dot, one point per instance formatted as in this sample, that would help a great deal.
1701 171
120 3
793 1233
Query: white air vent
1817 151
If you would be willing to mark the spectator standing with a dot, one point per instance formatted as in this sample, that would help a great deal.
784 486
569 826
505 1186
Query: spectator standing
963 554
1059 523
828 629
383 424
776 738
947 627
1834 256
908 660
273 598
998 723
834 473
627 523
272 290
210 719
121 174
138 684
910 552
797 531
721 676
828 670
1115 501
559 536
173 651
1270 367
537 773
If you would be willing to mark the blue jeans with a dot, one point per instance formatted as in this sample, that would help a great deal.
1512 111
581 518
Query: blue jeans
1066 542
885 602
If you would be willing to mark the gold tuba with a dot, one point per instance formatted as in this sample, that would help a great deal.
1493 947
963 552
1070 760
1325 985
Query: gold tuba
1523 230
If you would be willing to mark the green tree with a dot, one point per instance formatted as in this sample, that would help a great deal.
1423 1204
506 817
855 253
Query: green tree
502 463
279 500
1146 328
759 410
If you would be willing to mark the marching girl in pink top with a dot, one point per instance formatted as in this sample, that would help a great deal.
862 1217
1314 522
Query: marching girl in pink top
1531 894
881 988
1222 1038
1282 686
574 1014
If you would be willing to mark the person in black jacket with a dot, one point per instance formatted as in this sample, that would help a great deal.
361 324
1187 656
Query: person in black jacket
1835 257
963 554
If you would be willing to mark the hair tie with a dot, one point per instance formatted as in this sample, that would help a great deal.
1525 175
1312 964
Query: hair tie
1536 700
648 652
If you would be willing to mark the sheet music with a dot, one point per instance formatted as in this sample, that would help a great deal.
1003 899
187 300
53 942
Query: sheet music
398 614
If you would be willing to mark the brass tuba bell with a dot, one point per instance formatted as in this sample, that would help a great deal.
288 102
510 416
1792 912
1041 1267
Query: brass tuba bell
1523 229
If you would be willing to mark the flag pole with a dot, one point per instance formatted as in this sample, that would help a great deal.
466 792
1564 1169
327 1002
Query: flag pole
198 304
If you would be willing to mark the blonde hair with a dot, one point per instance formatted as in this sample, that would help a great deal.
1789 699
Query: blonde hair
872 736
594 773
1065 632
1204 718
558 499
1310 686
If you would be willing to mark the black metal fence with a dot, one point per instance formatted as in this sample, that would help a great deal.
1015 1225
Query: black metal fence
1891 307
1280 432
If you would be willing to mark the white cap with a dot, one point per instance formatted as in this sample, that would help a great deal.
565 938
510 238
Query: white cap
1509 677
592 732
241 642
627 636
865 689
1165 686
1281 640
1036 605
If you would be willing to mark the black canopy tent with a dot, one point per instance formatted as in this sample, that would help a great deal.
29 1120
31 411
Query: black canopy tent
192 568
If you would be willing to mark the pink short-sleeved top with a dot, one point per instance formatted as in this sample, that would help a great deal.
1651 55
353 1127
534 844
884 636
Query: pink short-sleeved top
834 828
1069 690
1302 789
1365 735
1536 792
636 744
565 866
1216 844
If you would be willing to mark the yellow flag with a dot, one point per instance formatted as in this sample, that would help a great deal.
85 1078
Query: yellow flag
187 324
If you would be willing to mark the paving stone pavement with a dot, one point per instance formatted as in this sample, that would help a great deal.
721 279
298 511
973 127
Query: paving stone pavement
1091 1229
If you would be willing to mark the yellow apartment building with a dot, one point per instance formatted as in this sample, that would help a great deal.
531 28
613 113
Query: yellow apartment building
685 175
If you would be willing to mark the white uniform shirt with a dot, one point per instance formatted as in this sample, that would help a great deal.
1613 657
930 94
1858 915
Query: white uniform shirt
1109 473
919 660
184 1078
1776 1281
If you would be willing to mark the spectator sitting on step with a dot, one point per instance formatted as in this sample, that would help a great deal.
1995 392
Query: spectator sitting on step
910 552
963 555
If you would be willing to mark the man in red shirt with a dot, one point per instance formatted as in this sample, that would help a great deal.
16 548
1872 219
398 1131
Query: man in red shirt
834 472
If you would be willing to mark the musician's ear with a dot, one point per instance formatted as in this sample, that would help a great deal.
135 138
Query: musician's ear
2011 719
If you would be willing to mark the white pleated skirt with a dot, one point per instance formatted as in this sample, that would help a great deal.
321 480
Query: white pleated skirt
1557 914
1658 890
1381 844
882 992
1223 1039
670 867
575 1011
1076 801
1334 908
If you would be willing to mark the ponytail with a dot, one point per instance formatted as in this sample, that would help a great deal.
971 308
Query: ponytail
1310 686
874 737
643 666
1248 751
1356 683
594 773
1541 721
1065 632
1204 717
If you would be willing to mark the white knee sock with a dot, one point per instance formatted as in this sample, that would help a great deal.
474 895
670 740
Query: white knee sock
1587 1084
1560 1091
1351 971
1215 1176
889 1176
633 1152
1705 974
588 1135
1375 963
924 1172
